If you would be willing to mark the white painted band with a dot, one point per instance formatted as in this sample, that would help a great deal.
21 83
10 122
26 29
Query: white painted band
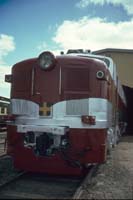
56 130
100 108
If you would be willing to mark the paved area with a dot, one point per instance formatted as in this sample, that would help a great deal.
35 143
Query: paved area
114 179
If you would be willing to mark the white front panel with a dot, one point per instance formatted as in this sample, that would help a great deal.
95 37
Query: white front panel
56 130
63 116
77 107
24 107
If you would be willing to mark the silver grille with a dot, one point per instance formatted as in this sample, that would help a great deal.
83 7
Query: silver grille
77 107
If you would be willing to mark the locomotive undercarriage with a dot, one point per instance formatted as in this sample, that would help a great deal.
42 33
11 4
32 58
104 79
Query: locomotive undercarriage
45 144
49 145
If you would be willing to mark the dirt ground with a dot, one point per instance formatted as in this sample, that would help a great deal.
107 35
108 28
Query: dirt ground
114 179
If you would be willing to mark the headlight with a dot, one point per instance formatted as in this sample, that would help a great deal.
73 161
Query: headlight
46 60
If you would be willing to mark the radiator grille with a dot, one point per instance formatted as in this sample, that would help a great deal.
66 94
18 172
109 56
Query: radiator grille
77 107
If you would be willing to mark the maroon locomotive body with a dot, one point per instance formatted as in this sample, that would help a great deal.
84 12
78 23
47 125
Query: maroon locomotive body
68 111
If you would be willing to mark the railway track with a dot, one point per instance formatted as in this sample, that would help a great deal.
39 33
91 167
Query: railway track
86 181
42 186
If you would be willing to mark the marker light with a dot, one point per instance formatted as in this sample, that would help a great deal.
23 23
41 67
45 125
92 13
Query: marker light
46 60
100 74
8 78
87 119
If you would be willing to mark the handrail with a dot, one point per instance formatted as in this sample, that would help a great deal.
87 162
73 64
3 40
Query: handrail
32 81
60 82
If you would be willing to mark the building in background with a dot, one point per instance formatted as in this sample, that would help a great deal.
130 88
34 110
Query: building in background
4 110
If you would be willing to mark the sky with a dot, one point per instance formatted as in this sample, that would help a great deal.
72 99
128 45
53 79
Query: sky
29 27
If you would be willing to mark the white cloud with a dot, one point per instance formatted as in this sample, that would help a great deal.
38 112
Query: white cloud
56 51
42 46
127 4
4 87
94 34
6 46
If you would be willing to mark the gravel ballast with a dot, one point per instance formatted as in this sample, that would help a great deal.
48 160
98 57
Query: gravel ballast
114 179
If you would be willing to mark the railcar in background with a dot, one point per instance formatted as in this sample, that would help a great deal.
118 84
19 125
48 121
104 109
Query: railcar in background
4 111
69 110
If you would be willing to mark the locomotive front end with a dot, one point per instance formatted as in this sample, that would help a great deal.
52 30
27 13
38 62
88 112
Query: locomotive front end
60 105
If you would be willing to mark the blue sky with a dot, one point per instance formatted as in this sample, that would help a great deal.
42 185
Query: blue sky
28 27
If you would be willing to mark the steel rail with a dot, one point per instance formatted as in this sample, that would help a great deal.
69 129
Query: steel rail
86 181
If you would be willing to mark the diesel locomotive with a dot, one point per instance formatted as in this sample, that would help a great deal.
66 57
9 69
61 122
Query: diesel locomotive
68 112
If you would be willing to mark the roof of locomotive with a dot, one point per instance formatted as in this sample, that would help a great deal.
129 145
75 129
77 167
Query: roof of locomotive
101 59
105 61
108 62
